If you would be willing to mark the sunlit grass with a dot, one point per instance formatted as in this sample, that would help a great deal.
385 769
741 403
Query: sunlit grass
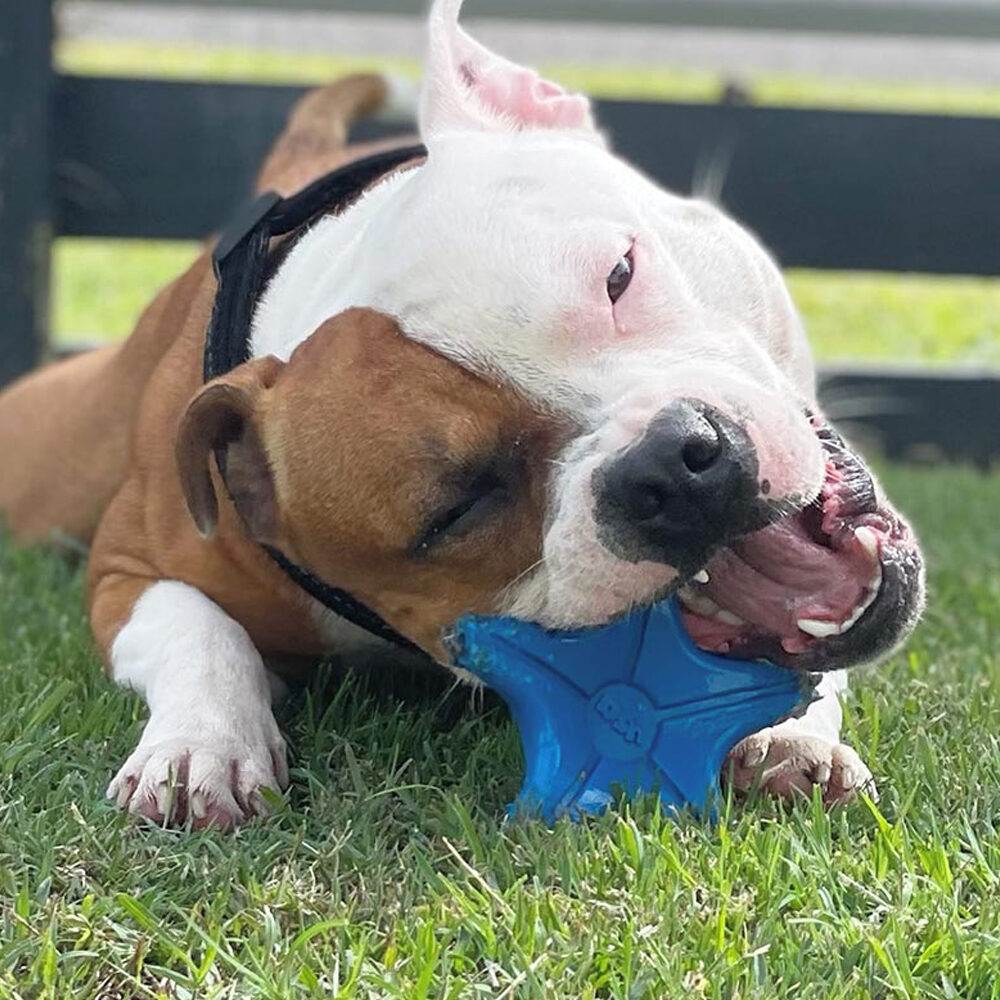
101 286
900 318
393 874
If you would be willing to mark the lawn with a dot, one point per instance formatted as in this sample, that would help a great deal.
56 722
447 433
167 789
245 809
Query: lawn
391 873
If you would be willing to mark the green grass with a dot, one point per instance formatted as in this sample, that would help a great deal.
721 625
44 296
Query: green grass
900 318
101 286
391 872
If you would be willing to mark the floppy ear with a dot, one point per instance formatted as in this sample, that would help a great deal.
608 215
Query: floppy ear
222 419
469 88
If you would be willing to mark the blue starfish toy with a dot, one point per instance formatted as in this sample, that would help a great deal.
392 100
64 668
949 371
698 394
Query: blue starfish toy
634 704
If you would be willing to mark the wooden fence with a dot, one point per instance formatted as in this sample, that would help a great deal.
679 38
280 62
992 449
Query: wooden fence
824 189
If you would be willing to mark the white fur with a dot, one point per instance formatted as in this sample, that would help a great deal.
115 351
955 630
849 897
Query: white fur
496 253
823 718
402 102
209 710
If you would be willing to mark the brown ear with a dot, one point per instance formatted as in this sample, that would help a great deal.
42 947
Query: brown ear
222 419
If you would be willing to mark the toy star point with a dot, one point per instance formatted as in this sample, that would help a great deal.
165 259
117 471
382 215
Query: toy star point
633 705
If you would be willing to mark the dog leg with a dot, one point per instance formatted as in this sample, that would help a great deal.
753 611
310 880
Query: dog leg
788 759
211 741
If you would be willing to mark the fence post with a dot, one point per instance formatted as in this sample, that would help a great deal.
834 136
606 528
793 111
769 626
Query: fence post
25 181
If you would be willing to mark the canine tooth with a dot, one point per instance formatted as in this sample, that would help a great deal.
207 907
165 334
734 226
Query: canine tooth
823 630
700 577
818 629
872 591
728 618
699 603
868 540
850 622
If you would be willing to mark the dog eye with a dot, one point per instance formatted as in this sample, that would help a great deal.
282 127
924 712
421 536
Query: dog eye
620 277
485 495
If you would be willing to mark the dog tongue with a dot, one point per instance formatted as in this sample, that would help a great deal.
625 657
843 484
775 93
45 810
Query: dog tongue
779 575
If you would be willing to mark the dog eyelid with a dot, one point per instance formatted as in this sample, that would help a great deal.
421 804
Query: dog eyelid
487 493
621 276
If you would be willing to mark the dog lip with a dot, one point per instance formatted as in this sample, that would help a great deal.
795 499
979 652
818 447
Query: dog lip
847 514
886 620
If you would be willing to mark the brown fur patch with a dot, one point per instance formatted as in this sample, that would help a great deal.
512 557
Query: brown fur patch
362 444
367 440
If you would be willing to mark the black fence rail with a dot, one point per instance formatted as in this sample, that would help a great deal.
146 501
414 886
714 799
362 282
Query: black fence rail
824 189
916 414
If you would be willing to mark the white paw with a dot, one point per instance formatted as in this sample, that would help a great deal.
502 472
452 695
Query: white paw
790 764
205 780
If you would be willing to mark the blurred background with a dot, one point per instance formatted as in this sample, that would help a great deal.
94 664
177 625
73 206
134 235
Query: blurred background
859 138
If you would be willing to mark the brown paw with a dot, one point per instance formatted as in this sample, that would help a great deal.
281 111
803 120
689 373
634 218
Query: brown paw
789 765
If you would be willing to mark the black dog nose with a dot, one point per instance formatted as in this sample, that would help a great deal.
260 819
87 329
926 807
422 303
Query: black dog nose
662 475
686 486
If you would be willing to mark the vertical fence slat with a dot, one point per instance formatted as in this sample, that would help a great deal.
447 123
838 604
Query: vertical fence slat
25 181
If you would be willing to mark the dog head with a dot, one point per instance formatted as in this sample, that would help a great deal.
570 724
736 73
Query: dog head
527 254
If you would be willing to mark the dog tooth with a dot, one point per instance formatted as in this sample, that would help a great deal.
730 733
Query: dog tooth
818 629
871 592
698 603
868 540
728 618
701 576
850 622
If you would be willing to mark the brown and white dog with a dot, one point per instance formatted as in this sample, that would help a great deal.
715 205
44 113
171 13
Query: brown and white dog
517 377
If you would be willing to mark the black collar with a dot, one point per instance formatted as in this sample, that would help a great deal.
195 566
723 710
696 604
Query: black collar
241 260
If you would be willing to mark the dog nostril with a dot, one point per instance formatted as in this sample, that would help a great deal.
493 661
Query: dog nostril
701 451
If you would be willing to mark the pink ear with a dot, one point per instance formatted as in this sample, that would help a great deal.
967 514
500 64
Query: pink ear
469 88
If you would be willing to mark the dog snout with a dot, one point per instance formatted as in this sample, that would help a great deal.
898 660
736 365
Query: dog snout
686 486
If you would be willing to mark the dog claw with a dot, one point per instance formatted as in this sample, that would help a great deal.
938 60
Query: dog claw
789 765
214 786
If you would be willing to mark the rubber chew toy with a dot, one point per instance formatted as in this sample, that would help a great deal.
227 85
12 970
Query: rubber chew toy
633 705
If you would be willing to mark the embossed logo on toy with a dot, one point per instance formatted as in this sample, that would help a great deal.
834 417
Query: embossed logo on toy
622 722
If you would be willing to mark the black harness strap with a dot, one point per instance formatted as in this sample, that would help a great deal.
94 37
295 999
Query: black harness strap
240 260
240 257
